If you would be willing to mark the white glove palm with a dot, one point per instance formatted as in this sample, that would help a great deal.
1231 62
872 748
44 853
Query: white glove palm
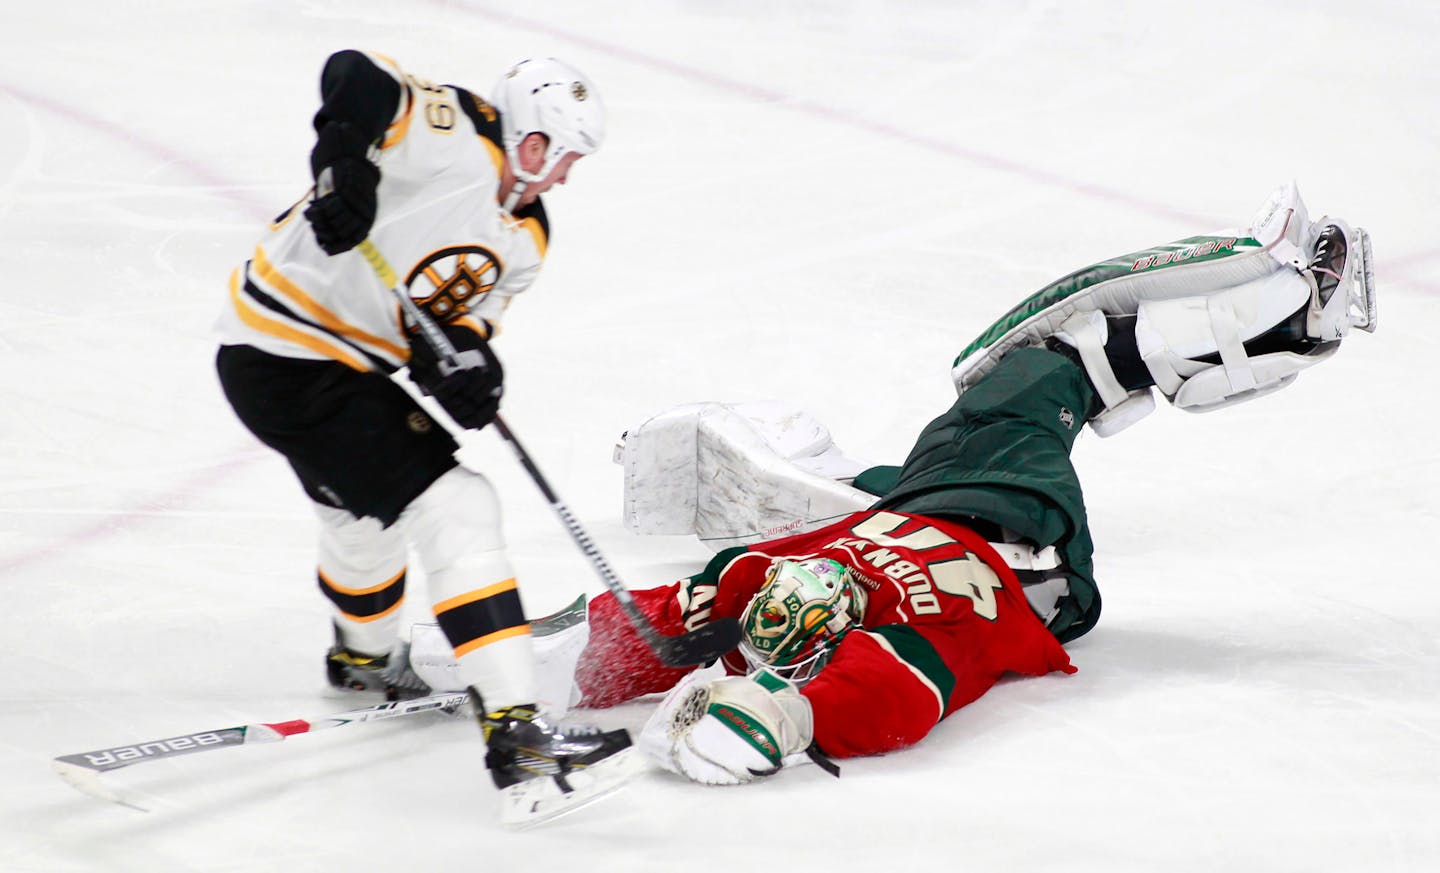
728 731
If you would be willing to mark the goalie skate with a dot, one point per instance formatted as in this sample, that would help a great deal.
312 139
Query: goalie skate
1343 261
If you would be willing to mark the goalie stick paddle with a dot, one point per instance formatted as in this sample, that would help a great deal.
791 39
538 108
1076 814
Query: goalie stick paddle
82 769
699 646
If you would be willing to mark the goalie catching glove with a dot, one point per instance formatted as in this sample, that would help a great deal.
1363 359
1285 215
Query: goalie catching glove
468 386
729 731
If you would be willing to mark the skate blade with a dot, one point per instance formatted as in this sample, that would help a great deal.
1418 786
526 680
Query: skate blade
1363 296
536 801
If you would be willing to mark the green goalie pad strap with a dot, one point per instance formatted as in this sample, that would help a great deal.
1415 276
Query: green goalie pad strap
1182 254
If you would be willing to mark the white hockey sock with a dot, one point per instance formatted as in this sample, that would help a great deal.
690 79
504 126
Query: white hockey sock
454 527
361 570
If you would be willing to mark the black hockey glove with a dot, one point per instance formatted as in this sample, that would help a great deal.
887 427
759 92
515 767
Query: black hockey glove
345 183
471 393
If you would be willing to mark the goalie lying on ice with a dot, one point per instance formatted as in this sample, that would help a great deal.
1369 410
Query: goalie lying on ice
910 594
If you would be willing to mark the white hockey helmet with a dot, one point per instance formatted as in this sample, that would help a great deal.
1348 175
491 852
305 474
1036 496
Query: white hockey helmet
550 97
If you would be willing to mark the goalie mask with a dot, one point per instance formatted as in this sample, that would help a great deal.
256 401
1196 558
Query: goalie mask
796 619
549 97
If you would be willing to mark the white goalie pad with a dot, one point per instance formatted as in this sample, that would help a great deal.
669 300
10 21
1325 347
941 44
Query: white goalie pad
1171 334
735 474
558 645
1193 298
1280 231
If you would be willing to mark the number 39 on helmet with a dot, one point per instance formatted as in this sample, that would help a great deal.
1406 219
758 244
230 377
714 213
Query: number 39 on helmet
798 616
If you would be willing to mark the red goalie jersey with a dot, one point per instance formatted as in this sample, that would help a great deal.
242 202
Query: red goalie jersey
944 618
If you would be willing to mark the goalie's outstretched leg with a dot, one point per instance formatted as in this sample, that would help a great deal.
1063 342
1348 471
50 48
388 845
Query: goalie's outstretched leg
1210 321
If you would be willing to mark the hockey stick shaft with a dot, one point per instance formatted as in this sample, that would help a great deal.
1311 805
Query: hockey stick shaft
695 647
115 757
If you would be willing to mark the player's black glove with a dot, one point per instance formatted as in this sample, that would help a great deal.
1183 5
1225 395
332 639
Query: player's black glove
471 394
345 183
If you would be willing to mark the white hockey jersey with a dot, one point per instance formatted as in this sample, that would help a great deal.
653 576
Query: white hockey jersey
438 223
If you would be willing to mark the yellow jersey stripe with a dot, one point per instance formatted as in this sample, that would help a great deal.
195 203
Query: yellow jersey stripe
254 320
272 276
497 157
368 618
537 233
507 633
331 584
472 596
400 126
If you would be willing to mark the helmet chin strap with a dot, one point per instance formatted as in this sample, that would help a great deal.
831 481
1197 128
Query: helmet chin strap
516 191
524 179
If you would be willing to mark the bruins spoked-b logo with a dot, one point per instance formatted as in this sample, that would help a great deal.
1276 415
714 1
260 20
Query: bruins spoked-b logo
450 281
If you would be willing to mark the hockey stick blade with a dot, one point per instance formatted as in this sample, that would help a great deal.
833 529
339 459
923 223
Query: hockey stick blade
88 781
700 646
82 770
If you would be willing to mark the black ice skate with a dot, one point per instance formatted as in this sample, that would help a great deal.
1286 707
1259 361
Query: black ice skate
390 675
544 770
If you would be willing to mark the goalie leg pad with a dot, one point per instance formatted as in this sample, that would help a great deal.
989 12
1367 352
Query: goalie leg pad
1173 336
1302 286
558 643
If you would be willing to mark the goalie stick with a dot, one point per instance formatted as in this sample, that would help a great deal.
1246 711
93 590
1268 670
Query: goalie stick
82 769
700 646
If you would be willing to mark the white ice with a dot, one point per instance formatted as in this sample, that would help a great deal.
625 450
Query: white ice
821 202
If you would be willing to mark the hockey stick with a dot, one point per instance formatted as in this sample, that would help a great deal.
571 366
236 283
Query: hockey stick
82 769
699 646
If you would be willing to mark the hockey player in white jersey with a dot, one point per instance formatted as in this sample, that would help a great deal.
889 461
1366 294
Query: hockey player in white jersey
448 186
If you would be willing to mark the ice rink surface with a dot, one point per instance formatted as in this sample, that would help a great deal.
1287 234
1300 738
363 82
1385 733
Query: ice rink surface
820 202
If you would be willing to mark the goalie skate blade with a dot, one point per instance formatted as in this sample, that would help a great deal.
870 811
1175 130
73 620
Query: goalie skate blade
88 781
1365 280
536 801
